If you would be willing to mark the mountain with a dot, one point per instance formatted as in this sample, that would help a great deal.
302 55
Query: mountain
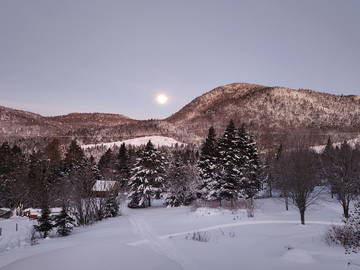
272 110
270 113
17 123
88 120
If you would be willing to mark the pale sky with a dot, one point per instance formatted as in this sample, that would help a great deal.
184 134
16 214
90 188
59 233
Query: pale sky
113 56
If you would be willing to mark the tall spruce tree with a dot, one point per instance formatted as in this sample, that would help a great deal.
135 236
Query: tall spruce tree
74 157
181 181
63 222
209 169
106 160
230 158
123 165
147 176
251 183
44 222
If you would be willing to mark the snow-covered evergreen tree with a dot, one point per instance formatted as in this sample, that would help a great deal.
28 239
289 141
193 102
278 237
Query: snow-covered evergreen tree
123 165
230 161
181 181
209 168
147 176
44 223
63 222
74 156
251 182
111 206
106 160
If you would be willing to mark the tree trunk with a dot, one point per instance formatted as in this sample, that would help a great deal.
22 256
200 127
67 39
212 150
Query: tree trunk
302 216
251 208
286 203
346 210
270 190
149 200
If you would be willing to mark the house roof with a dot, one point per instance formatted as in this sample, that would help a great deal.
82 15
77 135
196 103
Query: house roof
103 185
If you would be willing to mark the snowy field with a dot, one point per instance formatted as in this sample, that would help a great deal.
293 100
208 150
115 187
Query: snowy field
157 141
162 239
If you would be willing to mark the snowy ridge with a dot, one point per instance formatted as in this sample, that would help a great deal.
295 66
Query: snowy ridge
320 148
158 141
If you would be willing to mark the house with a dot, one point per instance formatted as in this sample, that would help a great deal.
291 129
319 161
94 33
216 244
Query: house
103 188
35 213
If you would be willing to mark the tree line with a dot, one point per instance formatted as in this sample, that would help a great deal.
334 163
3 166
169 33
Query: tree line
224 170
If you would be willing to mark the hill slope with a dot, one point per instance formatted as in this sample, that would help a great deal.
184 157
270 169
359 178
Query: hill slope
270 109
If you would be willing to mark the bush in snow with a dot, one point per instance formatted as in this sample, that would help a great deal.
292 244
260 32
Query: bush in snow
338 235
198 236
33 239
348 235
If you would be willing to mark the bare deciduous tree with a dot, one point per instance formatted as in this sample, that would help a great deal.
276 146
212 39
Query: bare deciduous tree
341 168
297 172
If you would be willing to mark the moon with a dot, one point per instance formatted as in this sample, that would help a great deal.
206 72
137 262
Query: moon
162 99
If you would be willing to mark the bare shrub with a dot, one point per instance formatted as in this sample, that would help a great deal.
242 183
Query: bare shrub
224 204
33 236
198 236
339 235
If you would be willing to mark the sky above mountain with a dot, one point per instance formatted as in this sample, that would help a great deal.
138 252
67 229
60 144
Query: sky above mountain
115 56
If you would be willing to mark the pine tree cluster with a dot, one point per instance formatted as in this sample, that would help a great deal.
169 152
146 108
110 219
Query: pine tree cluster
229 166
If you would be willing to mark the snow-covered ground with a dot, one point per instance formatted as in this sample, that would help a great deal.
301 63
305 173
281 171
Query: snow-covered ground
15 232
161 238
158 141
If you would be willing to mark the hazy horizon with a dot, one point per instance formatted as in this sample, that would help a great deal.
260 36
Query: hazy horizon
59 57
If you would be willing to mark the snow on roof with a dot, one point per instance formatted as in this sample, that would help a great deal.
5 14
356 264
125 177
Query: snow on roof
37 211
156 140
103 185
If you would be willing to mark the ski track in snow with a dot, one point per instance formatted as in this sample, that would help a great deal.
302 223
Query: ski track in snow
231 225
157 244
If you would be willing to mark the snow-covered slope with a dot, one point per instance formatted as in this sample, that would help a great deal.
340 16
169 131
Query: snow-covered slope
158 141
